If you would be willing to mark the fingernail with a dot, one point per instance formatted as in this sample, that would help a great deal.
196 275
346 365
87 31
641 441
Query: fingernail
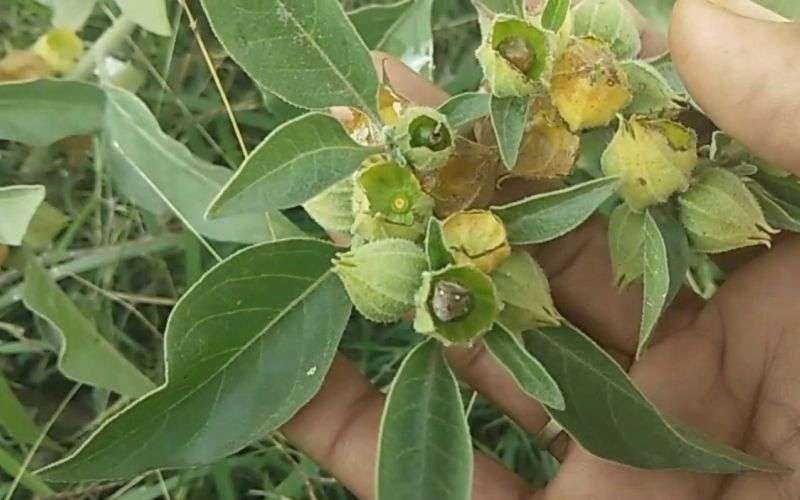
746 8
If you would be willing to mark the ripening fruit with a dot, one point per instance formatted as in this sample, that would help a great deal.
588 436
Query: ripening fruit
721 214
588 86
476 237
654 159
424 138
456 304
515 57
60 48
549 149
388 202
626 244
381 277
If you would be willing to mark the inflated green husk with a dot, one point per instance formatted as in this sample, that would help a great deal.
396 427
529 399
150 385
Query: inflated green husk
476 237
424 138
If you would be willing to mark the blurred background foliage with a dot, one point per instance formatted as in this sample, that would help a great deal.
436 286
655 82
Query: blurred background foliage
125 268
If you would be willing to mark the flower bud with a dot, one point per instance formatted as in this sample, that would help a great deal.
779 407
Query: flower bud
523 287
515 57
721 214
654 159
332 209
626 245
476 237
381 277
548 147
424 138
388 202
456 304
60 48
588 86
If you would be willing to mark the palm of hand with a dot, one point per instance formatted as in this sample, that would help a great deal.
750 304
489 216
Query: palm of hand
728 367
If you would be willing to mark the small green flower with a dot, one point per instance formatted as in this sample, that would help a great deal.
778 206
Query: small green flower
388 202
523 287
588 86
476 237
424 138
721 214
381 277
626 245
457 304
515 57
654 159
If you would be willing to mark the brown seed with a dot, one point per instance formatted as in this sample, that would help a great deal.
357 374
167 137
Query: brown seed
518 52
450 301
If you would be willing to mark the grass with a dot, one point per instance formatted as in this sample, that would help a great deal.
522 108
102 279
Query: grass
131 300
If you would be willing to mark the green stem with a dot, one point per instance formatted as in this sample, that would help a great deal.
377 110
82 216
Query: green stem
98 258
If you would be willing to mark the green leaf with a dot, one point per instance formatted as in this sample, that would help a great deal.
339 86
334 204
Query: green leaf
513 7
554 14
509 118
410 37
156 171
425 450
435 247
297 161
70 13
13 466
547 216
14 418
666 261
610 418
652 93
149 14
27 110
305 51
18 204
463 109
46 223
526 370
610 21
374 21
779 215
246 348
86 356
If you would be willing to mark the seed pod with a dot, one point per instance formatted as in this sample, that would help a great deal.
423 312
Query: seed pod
476 237
721 214
654 159
381 277
515 57
457 304
332 209
610 21
548 147
60 48
424 138
388 202
523 287
588 86
626 245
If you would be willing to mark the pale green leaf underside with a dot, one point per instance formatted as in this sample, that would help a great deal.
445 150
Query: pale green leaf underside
666 261
86 356
526 370
425 450
156 171
41 112
297 161
547 216
18 205
509 119
246 347
149 14
610 418
463 109
305 51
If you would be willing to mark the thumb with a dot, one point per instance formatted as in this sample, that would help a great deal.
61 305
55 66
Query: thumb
741 66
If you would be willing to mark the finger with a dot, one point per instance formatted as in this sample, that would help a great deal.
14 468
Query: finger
743 72
339 430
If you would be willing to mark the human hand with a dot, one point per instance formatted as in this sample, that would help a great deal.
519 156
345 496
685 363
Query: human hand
727 367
